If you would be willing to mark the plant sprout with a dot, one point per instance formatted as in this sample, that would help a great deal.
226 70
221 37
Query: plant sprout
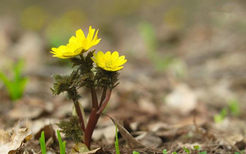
17 84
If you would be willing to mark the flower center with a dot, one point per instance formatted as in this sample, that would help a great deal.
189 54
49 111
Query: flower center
108 64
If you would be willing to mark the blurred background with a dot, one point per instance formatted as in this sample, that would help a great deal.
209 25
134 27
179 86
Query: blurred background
185 58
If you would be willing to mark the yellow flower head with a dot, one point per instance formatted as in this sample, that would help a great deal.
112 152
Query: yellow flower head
77 44
108 61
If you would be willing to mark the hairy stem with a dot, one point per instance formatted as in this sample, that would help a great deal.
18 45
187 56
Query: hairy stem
80 115
105 101
91 126
93 119
103 96
94 98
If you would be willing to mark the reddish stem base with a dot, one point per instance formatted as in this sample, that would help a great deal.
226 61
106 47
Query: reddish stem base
94 116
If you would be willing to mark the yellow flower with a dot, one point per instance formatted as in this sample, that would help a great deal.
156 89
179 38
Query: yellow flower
77 44
108 61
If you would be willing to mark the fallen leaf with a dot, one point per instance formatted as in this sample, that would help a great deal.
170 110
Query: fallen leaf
182 99
149 139
147 105
48 131
106 132
32 107
131 141
12 139
81 148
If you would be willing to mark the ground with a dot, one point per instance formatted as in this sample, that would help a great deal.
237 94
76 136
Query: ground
185 92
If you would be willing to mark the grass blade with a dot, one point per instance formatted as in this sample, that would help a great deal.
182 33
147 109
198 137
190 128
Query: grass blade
42 143
116 143
62 144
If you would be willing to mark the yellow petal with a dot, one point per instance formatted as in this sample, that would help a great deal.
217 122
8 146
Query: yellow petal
95 38
90 33
115 55
80 34
108 54
77 44
109 61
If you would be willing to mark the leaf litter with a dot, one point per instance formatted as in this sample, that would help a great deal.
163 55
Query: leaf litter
158 110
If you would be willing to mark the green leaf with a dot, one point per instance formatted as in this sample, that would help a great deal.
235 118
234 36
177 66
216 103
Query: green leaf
196 147
17 70
148 33
135 152
5 79
164 151
116 143
42 143
17 84
62 144
221 116
186 150
71 129
234 107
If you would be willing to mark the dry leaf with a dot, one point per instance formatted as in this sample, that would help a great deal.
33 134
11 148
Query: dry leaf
32 107
182 99
149 139
48 131
12 139
81 148
147 105
131 141
106 132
